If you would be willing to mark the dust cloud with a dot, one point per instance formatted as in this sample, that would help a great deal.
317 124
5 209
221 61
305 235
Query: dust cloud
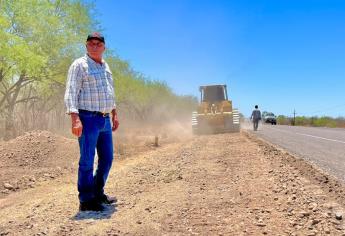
247 124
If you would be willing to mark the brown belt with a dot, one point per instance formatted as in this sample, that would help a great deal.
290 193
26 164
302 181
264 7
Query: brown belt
104 114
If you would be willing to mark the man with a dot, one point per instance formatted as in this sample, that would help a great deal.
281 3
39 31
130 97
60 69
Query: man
90 99
256 117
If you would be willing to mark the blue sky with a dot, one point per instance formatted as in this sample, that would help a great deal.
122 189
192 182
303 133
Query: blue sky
279 54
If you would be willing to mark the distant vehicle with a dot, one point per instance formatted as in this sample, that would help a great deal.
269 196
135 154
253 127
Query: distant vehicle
269 117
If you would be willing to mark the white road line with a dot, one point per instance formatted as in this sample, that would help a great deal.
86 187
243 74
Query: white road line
333 140
312 136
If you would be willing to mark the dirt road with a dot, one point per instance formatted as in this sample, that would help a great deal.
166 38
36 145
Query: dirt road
227 184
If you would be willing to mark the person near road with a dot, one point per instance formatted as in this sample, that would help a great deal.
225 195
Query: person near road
256 117
90 101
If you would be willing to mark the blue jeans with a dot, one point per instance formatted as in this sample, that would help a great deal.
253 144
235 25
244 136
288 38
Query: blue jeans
97 134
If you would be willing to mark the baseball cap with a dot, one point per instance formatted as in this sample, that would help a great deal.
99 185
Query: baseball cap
96 35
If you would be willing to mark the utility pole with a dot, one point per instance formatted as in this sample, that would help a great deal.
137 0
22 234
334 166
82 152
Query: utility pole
294 117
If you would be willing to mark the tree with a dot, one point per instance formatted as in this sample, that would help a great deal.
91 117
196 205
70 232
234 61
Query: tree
41 36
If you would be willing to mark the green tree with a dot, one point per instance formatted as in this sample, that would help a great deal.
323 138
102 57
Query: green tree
40 39
41 36
283 120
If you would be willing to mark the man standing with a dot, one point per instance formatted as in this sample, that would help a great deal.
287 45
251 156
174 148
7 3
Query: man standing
256 117
90 99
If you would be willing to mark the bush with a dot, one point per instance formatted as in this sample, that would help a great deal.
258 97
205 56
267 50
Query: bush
314 121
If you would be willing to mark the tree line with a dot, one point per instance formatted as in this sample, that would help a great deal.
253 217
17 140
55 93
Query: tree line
314 121
39 40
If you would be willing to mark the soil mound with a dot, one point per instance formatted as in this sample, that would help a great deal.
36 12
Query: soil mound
34 157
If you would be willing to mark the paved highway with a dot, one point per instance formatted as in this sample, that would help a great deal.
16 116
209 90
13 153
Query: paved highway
322 146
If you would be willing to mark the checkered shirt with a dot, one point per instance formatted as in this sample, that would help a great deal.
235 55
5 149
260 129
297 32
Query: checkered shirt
89 86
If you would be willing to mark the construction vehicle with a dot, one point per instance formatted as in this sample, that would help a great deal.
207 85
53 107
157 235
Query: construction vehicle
215 113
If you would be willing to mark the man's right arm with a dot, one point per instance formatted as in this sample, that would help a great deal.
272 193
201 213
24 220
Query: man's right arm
73 86
77 127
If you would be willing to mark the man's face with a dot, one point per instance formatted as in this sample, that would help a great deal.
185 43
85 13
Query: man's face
95 48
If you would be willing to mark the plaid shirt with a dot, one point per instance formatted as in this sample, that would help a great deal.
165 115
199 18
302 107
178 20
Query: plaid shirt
89 86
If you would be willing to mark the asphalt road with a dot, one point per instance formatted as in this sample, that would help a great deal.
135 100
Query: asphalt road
324 147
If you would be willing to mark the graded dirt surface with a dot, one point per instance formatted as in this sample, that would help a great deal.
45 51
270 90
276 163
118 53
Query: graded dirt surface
33 158
225 184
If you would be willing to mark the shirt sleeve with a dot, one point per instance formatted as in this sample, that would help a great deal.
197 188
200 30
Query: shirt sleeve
112 81
114 103
73 86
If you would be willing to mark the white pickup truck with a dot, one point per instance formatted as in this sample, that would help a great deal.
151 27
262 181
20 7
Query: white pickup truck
269 117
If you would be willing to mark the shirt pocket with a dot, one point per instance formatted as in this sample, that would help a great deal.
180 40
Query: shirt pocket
90 80
95 81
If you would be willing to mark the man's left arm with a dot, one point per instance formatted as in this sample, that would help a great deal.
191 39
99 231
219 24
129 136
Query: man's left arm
114 119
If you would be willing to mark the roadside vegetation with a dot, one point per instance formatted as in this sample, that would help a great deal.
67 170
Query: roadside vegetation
324 121
40 39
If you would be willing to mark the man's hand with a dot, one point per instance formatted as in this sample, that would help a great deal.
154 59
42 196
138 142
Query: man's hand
115 120
77 127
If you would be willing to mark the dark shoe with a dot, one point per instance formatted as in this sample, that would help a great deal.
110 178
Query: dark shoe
91 206
104 199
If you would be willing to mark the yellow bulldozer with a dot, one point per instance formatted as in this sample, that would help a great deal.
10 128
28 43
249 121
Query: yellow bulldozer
215 113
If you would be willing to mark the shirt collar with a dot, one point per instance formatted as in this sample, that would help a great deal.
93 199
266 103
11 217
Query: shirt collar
92 61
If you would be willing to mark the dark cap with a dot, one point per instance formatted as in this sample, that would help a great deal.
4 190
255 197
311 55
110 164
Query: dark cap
96 35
